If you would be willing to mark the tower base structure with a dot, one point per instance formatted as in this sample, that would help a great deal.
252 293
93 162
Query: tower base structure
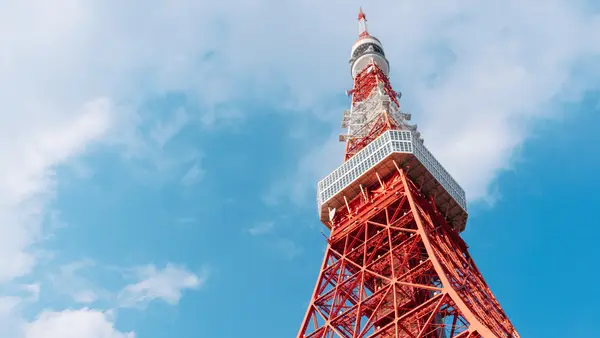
394 267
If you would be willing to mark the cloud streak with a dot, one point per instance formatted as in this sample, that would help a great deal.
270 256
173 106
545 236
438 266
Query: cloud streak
159 284
261 228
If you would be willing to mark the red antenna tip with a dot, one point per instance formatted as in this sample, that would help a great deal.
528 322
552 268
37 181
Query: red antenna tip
361 15
362 24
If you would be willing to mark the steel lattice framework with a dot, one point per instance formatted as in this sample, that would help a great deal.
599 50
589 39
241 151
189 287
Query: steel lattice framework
395 264
394 267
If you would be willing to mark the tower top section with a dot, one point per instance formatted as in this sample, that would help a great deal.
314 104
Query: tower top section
367 48
381 141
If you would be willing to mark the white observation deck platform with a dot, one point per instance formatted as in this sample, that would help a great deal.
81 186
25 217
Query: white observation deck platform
404 147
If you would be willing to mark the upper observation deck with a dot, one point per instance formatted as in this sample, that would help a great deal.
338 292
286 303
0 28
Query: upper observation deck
404 147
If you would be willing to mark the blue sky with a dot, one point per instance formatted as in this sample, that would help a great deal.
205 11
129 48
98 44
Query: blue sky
159 160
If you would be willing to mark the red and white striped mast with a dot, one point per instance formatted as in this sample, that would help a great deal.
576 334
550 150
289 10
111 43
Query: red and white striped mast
362 24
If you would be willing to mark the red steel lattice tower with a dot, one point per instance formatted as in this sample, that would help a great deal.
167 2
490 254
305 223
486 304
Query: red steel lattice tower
395 265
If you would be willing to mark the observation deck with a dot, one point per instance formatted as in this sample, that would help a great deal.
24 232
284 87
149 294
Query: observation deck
404 147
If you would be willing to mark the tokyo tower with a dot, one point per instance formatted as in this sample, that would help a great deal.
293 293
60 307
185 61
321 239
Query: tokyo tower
395 265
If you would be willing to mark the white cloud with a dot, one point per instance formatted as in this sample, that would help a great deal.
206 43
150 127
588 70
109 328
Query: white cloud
63 67
84 323
10 321
152 145
149 284
37 144
33 290
85 296
8 305
71 281
164 131
159 284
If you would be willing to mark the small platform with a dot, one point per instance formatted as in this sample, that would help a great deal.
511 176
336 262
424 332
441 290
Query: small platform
404 147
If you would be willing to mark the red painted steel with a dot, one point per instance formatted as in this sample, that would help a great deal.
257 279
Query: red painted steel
395 268
367 80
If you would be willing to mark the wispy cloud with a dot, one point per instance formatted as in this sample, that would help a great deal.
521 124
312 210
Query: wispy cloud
287 247
87 296
165 284
163 131
27 179
72 281
193 175
145 284
33 290
312 167
261 228
155 151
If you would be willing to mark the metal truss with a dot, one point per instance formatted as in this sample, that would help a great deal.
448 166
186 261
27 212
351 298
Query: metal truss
382 124
367 80
375 109
395 268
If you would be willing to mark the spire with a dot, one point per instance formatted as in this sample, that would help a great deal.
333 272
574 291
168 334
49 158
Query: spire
362 24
